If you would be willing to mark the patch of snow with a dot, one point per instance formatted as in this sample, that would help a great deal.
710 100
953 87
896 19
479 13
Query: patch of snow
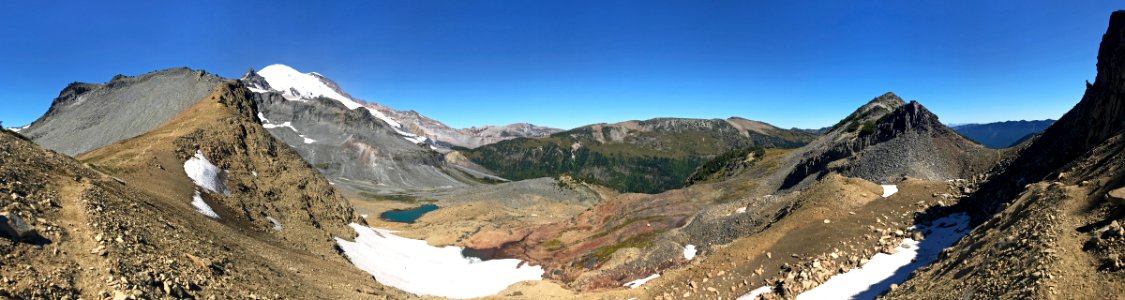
18 129
689 252
889 189
276 224
740 210
202 207
754 294
413 138
416 267
255 173
286 124
637 283
263 118
307 139
876 277
256 90
204 174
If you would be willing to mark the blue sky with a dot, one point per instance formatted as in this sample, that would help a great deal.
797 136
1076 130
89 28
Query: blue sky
571 63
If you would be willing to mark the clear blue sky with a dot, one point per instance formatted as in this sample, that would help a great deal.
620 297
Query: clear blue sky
570 63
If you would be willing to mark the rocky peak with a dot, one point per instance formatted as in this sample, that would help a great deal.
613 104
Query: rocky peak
889 99
869 113
903 134
253 80
909 117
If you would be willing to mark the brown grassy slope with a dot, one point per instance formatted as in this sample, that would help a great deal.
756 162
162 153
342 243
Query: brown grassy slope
102 237
242 252
223 128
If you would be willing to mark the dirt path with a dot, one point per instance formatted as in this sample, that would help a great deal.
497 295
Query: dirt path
80 241
1077 274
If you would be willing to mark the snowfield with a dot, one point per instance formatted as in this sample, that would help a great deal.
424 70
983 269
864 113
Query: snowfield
204 174
876 277
637 283
202 207
882 270
889 189
416 267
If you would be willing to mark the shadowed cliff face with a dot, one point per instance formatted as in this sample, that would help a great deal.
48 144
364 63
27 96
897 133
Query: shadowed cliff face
1045 221
1097 117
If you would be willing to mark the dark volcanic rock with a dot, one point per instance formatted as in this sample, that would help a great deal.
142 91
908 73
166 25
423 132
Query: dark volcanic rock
888 139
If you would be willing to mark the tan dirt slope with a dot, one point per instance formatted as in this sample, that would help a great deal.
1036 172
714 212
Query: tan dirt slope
122 225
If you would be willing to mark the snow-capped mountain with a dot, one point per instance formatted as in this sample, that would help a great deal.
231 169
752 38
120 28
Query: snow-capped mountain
296 86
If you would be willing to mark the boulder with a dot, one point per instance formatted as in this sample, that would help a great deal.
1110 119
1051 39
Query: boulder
12 226
1117 196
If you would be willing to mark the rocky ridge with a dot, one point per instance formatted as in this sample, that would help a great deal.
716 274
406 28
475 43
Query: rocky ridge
121 227
887 139
86 116
1049 224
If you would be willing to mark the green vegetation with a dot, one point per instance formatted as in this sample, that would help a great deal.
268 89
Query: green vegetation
628 160
726 165
867 128
642 241
553 245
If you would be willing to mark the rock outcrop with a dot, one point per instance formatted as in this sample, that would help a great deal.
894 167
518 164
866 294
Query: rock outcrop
887 139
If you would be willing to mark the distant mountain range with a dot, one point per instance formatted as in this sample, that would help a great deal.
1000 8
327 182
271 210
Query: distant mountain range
634 156
1002 134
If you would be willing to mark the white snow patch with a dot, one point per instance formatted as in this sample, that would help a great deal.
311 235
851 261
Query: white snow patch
286 124
202 207
889 189
882 270
740 210
18 129
637 283
307 139
754 294
204 174
689 252
416 267
276 224
255 173
263 118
